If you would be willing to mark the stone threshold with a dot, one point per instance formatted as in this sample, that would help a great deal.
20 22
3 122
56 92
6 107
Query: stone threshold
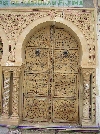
57 128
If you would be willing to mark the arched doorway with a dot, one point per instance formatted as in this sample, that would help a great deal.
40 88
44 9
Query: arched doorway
51 76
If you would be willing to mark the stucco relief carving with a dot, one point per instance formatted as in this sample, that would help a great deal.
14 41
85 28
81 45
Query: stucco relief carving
52 14
88 93
11 56
15 93
14 23
6 95
11 68
86 85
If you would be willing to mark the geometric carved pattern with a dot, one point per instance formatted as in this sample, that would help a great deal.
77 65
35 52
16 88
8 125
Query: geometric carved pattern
36 84
93 107
14 23
89 93
6 90
15 97
40 62
10 91
15 93
63 81
86 97
36 109
71 60
67 108
51 76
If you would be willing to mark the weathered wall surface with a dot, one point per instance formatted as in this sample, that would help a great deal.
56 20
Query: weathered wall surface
16 26
98 71
4 130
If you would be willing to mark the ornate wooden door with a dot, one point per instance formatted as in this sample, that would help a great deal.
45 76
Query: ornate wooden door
51 76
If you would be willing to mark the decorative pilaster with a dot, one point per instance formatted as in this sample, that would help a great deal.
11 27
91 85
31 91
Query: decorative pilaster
86 95
15 93
6 94
10 94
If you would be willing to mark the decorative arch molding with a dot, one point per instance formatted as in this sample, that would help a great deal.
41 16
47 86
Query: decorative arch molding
5 45
69 25
86 71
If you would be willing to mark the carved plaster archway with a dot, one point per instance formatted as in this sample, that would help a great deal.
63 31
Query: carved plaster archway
70 26
73 29
5 45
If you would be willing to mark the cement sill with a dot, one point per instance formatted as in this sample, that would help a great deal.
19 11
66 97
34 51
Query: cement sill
56 129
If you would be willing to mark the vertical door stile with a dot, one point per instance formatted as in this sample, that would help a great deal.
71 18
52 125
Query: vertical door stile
50 76
52 69
23 94
53 46
77 96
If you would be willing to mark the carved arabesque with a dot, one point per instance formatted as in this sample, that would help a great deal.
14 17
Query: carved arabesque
14 22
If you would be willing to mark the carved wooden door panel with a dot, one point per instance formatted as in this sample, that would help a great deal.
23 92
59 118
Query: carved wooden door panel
50 90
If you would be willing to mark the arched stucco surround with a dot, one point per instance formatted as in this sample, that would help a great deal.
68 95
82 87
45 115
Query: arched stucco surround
74 30
5 46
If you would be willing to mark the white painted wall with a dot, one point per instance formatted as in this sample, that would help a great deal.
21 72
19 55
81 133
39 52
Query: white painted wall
98 73
98 111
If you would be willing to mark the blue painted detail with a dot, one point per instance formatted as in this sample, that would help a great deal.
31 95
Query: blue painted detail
40 3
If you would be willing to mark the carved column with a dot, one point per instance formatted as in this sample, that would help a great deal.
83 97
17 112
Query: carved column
15 93
6 94
86 95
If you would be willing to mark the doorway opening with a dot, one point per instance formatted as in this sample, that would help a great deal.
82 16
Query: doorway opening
51 77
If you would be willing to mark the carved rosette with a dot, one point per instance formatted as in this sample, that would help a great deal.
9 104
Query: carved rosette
6 94
15 99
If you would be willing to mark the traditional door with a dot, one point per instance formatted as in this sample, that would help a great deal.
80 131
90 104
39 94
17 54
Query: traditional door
51 82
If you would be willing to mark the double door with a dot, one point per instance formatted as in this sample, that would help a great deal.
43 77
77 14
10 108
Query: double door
50 91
